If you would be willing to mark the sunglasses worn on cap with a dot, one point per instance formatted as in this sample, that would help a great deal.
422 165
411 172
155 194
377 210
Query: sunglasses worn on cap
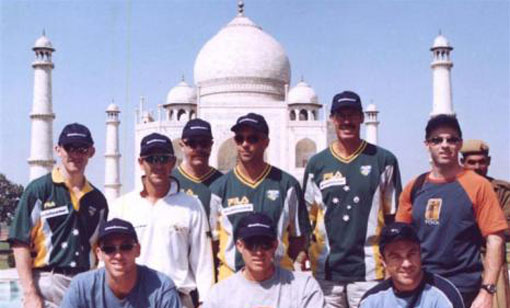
154 159
251 139
439 140
112 249
256 244
76 149
194 143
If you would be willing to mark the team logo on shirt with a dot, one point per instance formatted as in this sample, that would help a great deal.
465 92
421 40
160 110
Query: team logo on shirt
433 211
272 194
49 204
365 170
237 205
92 210
189 192
332 179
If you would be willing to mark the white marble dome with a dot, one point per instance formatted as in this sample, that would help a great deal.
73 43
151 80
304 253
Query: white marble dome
371 108
302 93
241 57
113 108
440 41
182 93
43 42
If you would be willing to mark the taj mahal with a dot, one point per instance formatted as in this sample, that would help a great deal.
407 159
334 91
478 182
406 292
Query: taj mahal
241 69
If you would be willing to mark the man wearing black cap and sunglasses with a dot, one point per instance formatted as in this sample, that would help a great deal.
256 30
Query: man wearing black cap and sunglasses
57 221
408 285
351 189
262 283
171 225
121 282
256 186
454 211
194 173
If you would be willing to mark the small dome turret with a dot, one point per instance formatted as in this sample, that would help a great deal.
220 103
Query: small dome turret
182 93
302 93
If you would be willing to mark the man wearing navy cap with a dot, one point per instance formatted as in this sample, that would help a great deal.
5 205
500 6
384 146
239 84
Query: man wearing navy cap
408 285
256 186
194 173
57 221
171 225
121 282
351 190
262 283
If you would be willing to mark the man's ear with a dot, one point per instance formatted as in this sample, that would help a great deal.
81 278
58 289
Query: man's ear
92 151
99 253
488 160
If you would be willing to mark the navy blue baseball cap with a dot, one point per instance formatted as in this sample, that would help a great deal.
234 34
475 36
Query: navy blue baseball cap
116 226
197 128
75 133
397 231
255 224
156 143
346 99
253 120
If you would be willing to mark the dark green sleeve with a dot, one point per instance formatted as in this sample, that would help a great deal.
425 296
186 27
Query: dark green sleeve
27 212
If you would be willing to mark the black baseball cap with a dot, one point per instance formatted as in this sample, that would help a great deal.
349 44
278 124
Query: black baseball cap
397 231
156 143
253 120
197 128
255 224
346 99
75 133
116 226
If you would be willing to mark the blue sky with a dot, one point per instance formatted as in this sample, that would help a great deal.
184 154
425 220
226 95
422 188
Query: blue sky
122 50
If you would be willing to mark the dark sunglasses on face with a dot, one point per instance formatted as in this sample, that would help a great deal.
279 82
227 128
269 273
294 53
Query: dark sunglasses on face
254 245
78 149
439 140
251 139
112 249
153 159
194 143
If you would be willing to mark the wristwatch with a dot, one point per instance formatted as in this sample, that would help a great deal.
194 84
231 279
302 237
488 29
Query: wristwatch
490 288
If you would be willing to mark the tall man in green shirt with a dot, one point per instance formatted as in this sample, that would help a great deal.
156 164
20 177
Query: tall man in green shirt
57 221
351 189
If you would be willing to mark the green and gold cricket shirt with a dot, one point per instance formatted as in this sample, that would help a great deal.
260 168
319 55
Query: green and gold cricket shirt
347 198
275 193
60 226
197 187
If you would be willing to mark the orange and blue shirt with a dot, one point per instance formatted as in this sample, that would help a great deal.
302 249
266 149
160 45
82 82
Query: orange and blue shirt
452 218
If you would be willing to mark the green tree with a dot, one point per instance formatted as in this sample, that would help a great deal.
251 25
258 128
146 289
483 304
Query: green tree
9 197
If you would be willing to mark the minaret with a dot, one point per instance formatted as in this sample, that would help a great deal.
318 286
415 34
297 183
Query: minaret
41 136
112 155
371 124
442 87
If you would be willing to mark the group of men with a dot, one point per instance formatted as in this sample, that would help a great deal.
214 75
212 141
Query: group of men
201 238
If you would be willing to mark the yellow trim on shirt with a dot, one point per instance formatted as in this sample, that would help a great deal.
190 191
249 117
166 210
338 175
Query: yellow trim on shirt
190 177
256 182
58 177
351 157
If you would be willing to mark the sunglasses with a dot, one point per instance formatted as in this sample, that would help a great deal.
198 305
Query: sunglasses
254 245
194 143
251 139
439 140
76 149
155 159
112 249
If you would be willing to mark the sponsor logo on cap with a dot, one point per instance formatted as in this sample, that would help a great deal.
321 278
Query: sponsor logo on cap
345 99
156 140
76 134
198 127
115 227
249 120
258 224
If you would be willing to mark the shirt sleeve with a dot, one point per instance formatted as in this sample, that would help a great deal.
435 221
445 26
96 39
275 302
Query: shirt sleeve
200 255
72 296
170 298
391 187
405 207
312 294
312 193
28 213
299 222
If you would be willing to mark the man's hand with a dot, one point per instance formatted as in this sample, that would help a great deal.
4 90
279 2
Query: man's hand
302 261
482 300
32 300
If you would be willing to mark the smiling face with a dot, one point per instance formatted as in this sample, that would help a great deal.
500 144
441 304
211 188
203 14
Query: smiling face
196 151
121 262
74 157
347 124
157 167
444 145
251 145
402 261
258 254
